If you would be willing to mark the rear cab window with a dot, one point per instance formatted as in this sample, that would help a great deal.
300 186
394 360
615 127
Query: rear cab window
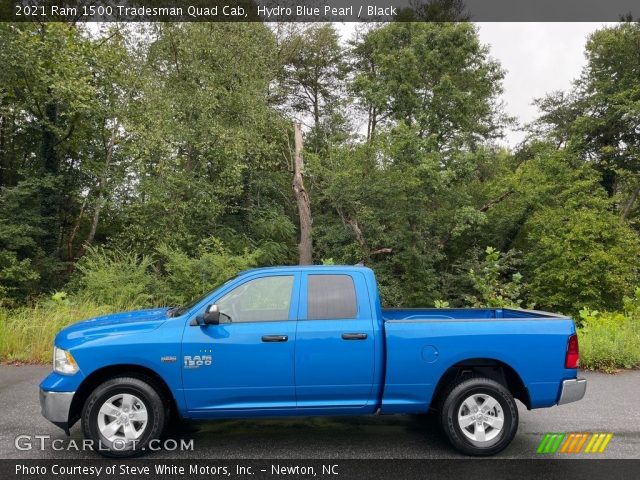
331 297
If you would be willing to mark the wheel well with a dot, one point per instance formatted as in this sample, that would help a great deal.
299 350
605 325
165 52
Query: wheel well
490 368
112 371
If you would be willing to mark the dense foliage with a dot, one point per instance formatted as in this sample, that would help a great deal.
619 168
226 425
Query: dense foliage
145 164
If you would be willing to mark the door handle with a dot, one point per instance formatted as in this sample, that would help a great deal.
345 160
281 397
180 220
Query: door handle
275 338
354 336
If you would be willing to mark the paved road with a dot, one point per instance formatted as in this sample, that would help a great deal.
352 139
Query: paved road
612 404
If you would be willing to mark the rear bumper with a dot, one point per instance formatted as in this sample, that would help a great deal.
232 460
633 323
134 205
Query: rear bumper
55 407
572 390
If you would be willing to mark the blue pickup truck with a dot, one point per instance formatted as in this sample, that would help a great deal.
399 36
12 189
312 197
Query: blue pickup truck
308 341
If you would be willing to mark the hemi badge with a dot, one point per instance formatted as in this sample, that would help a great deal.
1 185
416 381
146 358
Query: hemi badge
168 359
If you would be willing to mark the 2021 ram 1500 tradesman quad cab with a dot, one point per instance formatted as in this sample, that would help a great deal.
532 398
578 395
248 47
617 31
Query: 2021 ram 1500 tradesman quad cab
308 341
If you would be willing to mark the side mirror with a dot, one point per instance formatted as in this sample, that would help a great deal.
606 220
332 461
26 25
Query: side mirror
212 315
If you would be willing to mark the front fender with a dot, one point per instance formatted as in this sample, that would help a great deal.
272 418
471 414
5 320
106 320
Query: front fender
157 351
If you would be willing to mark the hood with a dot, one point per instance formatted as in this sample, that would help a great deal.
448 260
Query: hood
138 321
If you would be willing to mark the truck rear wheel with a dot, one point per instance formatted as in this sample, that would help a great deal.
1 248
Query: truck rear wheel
479 416
122 415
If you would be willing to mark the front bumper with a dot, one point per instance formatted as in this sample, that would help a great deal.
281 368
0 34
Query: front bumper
55 407
572 390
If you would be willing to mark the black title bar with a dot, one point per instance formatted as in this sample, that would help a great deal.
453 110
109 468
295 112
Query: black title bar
330 469
318 10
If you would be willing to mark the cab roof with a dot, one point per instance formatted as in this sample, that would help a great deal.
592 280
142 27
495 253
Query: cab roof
289 268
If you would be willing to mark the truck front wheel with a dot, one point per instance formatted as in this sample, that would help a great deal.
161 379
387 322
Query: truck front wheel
122 415
479 416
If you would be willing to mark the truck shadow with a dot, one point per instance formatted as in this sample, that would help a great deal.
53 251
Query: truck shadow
344 437
396 436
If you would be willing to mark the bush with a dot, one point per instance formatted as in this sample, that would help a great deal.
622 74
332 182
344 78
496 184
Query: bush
611 340
495 281
16 277
186 278
115 278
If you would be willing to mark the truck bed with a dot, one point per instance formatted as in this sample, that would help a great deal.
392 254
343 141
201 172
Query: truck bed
422 344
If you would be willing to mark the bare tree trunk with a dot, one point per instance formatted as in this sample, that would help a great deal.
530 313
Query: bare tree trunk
302 198
373 122
100 190
495 201
627 208
3 123
74 232
96 218
357 231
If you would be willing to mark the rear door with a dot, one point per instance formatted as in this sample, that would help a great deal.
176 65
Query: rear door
334 358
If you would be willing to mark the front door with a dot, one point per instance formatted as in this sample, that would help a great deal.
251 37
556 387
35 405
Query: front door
335 344
247 361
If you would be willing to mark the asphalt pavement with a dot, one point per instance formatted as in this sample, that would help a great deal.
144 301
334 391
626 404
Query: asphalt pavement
611 404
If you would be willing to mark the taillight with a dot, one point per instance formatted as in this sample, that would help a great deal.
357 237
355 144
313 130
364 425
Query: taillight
572 360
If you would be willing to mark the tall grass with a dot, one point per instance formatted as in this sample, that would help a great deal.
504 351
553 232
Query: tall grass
27 333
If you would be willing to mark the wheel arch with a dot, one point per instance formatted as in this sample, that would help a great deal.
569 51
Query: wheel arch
112 371
489 367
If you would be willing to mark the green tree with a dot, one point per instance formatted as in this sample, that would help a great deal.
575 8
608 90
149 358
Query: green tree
209 149
598 120
313 78
436 78
401 199
581 258
51 100
577 251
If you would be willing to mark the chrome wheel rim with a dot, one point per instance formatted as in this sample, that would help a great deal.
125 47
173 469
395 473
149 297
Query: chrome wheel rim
122 419
480 417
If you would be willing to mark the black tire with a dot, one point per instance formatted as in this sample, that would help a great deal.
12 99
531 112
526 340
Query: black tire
451 405
147 393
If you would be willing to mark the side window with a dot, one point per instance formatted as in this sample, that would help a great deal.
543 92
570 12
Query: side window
259 300
331 297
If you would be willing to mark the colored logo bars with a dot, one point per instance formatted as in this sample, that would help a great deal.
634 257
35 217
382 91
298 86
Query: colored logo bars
574 443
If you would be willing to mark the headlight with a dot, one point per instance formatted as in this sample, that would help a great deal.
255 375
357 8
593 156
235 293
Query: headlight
63 362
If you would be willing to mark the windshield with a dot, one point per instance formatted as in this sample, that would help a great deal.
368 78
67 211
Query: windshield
177 311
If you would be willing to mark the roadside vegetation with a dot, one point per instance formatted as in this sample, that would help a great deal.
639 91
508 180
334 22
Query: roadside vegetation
143 165
27 333
611 340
